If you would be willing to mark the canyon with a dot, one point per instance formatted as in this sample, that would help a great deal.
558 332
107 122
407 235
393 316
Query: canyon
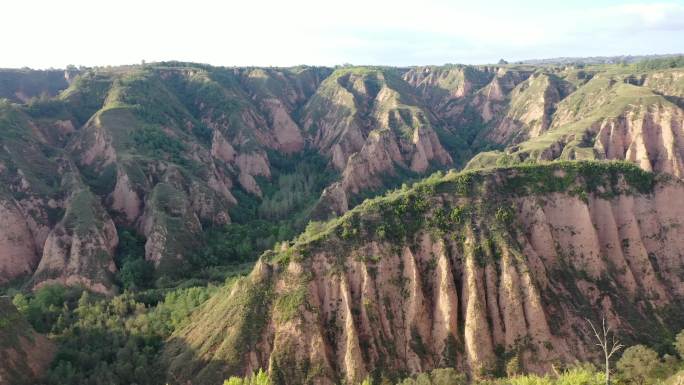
399 219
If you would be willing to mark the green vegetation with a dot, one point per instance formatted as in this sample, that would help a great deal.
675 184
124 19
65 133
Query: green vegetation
229 328
679 344
297 183
112 341
154 142
159 121
257 378
46 107
465 141
288 200
661 63
608 95
30 83
43 308
400 214
18 342
135 272
84 213
445 376
638 363
25 157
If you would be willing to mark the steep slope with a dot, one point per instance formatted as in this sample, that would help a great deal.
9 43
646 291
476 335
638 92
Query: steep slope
373 127
480 107
30 193
79 250
466 270
280 94
24 354
443 87
490 101
174 151
20 85
54 227
144 137
531 108
612 116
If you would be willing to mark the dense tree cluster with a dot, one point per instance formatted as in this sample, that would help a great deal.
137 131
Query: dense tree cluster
660 63
107 341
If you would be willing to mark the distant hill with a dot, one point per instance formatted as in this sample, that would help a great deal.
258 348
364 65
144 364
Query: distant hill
627 59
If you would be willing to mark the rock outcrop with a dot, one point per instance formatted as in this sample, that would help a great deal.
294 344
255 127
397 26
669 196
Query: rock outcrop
531 108
80 249
617 117
212 134
466 270
18 256
372 129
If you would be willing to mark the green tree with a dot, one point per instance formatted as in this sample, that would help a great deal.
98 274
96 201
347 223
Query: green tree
581 375
448 376
679 344
136 274
638 364
233 381
257 378
407 381
21 302
423 379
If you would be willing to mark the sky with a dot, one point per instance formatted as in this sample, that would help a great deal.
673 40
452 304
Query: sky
49 33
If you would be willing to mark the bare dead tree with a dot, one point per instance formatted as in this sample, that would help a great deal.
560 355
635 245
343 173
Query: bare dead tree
608 343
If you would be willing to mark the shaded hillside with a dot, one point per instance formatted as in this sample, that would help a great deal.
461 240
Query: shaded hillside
465 270
21 85
24 354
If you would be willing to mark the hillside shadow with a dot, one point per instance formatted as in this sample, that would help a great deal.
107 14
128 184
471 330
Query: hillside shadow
183 366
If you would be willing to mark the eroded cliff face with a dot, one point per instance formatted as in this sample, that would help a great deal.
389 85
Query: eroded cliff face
468 270
442 86
24 354
531 108
212 134
170 226
617 116
373 130
18 255
79 250
490 101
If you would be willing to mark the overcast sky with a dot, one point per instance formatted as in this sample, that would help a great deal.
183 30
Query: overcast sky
51 33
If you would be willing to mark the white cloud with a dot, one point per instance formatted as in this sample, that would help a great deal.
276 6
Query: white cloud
665 16
277 32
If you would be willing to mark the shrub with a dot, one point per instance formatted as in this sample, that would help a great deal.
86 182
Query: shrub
581 376
679 344
638 364
448 376
257 378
